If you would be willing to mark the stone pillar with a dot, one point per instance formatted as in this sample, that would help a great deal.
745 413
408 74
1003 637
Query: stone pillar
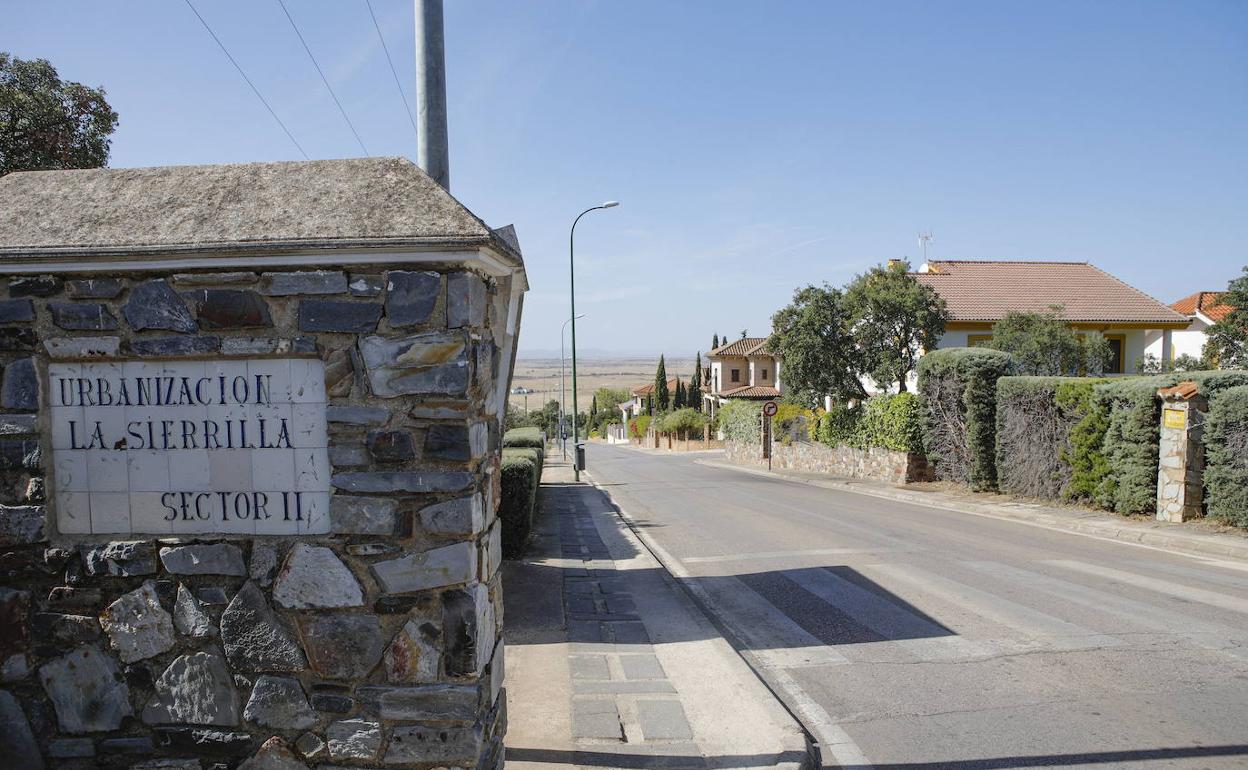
248 490
1181 462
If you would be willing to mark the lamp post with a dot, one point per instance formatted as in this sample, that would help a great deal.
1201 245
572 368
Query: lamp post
563 390
576 468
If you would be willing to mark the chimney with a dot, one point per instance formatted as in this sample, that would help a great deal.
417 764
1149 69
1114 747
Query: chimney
432 152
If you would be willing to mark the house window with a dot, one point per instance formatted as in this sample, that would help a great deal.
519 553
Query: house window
764 374
978 340
736 375
1117 350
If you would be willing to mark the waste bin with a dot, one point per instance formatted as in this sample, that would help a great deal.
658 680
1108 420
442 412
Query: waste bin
580 457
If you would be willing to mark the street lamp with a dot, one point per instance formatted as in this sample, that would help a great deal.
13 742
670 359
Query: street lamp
576 467
563 390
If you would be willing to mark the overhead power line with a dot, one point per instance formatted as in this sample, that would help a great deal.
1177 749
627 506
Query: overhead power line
321 72
398 83
254 90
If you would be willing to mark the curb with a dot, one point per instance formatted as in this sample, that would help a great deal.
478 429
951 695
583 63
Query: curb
1106 530
809 750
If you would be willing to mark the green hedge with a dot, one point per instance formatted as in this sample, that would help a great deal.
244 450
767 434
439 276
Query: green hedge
1037 419
686 423
838 425
740 421
1132 412
959 388
1226 457
521 474
892 421
524 437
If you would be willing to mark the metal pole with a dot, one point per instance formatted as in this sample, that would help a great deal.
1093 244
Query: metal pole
432 152
576 436
563 393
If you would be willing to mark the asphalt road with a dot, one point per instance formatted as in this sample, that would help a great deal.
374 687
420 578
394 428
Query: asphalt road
909 637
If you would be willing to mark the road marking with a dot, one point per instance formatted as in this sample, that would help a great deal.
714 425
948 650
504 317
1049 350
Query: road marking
832 738
1055 632
758 622
787 554
901 628
1211 636
1232 603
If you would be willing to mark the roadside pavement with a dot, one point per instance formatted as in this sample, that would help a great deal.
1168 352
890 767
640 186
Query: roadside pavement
611 664
1151 533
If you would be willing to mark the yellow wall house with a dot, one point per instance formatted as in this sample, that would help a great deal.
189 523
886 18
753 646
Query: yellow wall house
980 293
744 368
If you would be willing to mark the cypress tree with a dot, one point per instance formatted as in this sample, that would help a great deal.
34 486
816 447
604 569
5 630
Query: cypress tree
714 341
695 384
678 398
662 395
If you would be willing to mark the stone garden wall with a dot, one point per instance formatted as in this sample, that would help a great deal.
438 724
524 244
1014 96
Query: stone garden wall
352 620
874 463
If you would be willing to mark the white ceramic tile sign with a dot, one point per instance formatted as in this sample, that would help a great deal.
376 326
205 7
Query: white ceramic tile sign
189 447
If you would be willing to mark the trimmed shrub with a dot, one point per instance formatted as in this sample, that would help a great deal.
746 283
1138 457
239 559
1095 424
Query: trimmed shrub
1036 417
740 421
520 475
524 437
684 422
959 389
1226 457
1084 452
891 421
1132 435
838 425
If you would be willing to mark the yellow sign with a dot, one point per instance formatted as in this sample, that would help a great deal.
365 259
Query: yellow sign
1174 418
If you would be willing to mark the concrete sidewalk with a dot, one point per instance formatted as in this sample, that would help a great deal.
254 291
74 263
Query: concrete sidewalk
1155 534
609 662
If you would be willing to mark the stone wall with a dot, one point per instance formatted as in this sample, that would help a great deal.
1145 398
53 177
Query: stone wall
375 642
1181 458
875 463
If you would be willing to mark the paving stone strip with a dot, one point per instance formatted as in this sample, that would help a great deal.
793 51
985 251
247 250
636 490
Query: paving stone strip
622 700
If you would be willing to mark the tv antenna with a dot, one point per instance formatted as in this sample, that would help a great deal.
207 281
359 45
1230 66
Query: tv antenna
924 239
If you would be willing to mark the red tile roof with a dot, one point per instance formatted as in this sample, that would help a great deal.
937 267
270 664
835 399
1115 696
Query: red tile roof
752 391
988 290
646 390
1207 302
746 346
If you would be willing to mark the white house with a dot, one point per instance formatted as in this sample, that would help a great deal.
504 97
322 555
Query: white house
1203 309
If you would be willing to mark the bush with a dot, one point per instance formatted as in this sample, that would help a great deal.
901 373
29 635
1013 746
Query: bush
521 474
959 388
838 425
1132 409
891 421
638 426
1084 452
1036 417
793 422
740 421
1226 457
684 422
524 437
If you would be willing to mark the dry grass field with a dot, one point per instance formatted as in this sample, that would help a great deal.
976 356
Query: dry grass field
541 375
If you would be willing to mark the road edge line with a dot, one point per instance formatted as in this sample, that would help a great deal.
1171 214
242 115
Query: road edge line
845 752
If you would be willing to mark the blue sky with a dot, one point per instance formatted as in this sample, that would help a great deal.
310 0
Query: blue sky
755 146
